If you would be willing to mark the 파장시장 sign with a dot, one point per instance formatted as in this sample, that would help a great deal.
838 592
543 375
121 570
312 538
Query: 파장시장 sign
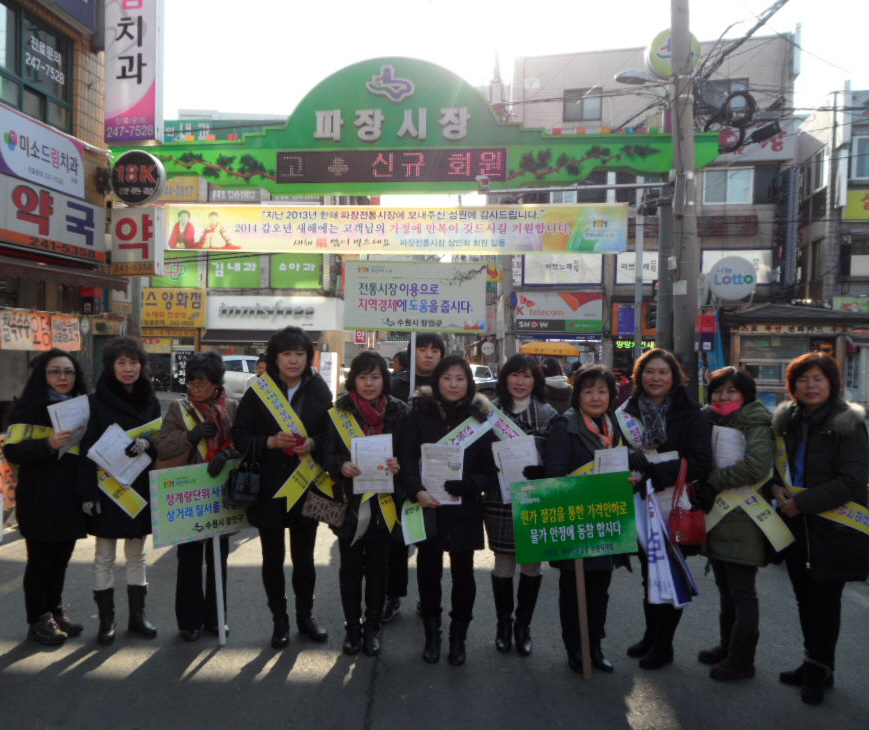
574 517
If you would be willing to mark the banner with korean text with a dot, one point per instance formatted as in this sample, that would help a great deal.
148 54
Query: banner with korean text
188 505
592 228
424 297
173 307
574 517
26 329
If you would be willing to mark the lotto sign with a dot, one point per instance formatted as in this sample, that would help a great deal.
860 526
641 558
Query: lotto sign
574 517
134 249
187 505
173 307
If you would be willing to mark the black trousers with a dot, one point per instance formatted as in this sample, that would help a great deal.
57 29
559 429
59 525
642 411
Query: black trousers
365 559
597 583
819 606
396 581
738 596
429 573
196 606
44 575
274 550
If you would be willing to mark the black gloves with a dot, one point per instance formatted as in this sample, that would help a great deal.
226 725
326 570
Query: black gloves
637 461
136 447
218 461
460 487
533 471
201 431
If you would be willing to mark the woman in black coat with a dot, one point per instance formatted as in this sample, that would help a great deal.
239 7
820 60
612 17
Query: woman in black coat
258 435
49 515
454 529
123 396
660 417
586 427
826 452
364 538
520 390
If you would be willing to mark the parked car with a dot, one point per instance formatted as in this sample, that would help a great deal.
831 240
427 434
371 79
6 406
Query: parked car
239 368
484 379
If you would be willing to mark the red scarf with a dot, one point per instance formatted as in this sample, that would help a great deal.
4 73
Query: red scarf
213 410
372 414
606 438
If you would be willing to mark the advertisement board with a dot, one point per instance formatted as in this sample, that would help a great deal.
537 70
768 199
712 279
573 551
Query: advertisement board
559 312
173 307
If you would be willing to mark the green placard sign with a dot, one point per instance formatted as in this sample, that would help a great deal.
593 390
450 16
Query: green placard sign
187 505
181 270
296 271
233 272
574 517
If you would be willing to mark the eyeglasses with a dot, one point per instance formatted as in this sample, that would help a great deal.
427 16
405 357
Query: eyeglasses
199 385
57 373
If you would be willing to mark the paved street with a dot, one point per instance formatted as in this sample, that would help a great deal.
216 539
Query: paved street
166 684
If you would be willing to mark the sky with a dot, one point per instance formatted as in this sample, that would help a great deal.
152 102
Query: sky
263 56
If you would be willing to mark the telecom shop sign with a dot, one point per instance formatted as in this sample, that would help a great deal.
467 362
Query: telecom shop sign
400 125
558 312
424 297
574 517
34 151
599 228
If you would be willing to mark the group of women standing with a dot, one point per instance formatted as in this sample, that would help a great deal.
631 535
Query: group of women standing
810 458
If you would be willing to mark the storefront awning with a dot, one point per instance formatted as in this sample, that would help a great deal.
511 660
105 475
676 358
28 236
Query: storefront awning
68 275
792 314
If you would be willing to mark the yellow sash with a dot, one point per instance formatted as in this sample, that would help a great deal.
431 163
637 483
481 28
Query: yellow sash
127 498
347 425
850 514
19 432
308 471
582 471
192 420
748 499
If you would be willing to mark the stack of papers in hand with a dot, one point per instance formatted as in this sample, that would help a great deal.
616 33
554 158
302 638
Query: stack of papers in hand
108 454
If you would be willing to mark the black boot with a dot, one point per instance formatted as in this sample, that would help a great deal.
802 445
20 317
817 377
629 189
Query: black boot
502 590
431 653
661 651
281 619
718 653
458 634
352 638
598 660
526 600
106 608
370 638
70 628
643 645
45 631
739 662
311 628
815 678
794 677
138 624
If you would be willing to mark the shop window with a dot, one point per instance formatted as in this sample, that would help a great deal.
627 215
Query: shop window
860 158
35 64
859 257
582 105
728 186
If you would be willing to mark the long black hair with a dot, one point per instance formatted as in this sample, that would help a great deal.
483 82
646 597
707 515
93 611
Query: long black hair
517 364
37 387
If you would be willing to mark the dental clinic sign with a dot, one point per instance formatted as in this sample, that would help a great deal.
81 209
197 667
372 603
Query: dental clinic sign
732 278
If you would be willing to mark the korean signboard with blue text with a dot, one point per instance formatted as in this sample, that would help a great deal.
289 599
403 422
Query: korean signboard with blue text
187 505
574 517
424 297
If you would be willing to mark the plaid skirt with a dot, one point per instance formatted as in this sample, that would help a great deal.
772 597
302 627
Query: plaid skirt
498 519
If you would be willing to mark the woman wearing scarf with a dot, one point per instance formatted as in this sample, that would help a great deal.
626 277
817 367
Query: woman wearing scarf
49 515
456 529
825 461
736 546
365 536
520 391
660 417
123 396
196 429
585 428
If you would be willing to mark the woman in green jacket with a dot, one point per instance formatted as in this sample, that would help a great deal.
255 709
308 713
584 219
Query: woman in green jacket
735 545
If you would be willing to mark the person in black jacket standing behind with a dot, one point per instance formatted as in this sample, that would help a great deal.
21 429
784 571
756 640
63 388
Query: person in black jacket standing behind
49 515
458 528
257 433
123 396
660 417
430 350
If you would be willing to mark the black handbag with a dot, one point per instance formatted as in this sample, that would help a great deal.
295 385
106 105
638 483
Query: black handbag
243 483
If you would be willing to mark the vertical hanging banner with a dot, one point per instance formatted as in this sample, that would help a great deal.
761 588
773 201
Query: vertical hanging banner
135 250
134 57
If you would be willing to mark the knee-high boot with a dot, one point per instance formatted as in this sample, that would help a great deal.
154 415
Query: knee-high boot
105 600
661 651
138 624
526 601
502 590
281 621
643 645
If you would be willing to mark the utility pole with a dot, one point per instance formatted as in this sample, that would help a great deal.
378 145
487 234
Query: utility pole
687 245
664 300
640 219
